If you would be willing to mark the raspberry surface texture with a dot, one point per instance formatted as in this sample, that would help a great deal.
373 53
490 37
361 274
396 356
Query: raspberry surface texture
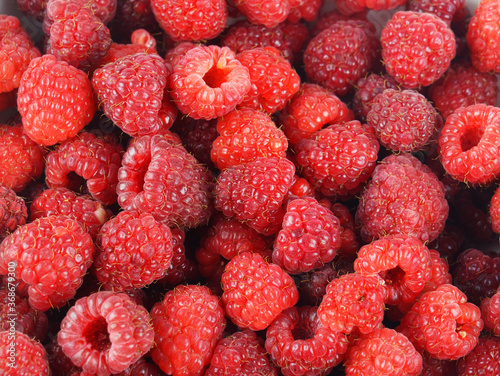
13 211
445 10
30 357
484 359
490 313
268 13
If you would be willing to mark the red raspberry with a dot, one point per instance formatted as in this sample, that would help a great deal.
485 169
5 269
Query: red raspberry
300 345
308 10
253 192
328 18
256 291
190 320
175 54
160 177
313 284
131 93
244 135
33 8
338 159
242 353
443 9
59 363
21 355
403 196
105 332
463 85
16 51
191 21
13 211
417 48
338 56
484 359
55 100
268 13
443 323
483 35
309 237
490 313
439 272
95 160
51 255
469 142
208 82
383 352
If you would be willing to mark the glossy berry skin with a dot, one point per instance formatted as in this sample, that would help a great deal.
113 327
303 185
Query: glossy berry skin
350 7
13 211
445 10
55 100
490 313
267 13
417 48
190 320
312 285
443 323
483 360
105 332
30 356
256 291
51 255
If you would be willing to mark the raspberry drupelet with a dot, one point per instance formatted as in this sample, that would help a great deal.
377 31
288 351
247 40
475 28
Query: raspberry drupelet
484 359
13 211
445 10
350 7
490 313
28 358
268 13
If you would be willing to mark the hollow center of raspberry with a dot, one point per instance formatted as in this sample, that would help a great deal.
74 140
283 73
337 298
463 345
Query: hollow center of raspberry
215 77
96 333
394 275
76 182
301 332
471 138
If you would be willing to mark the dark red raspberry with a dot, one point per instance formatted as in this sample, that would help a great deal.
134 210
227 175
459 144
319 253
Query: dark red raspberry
449 242
490 313
244 135
417 48
253 192
8 100
268 13
105 332
160 177
471 216
55 100
90 158
338 56
338 159
22 355
256 291
437 367
469 142
190 320
403 196
443 9
51 255
33 8
59 363
13 211
484 359
350 240
308 10
312 285
300 345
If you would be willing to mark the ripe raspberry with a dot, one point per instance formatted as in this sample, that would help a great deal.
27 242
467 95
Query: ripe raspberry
253 192
16 51
105 332
33 8
160 177
268 13
445 10
55 100
340 55
439 272
443 323
403 196
313 284
131 93
437 367
308 10
190 320
309 110
350 240
51 255
309 237
244 135
484 359
300 345
417 48
175 54
469 142
208 82
255 291
95 160
483 35
13 211
21 355
383 352
490 313
338 159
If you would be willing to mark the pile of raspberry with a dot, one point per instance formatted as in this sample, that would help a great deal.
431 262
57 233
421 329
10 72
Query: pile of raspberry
248 187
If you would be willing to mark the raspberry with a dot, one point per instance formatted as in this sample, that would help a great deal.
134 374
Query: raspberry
484 359
95 160
417 48
16 51
190 320
490 313
463 85
51 255
242 353
437 367
191 21
253 192
255 291
33 8
300 345
483 34
313 284
383 352
445 10
403 120
105 332
244 135
309 110
21 355
309 237
403 196
469 142
55 100
132 15
208 82
439 272
13 211
338 56
268 13
160 177
338 159
175 54
443 323
307 10
131 93
134 251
